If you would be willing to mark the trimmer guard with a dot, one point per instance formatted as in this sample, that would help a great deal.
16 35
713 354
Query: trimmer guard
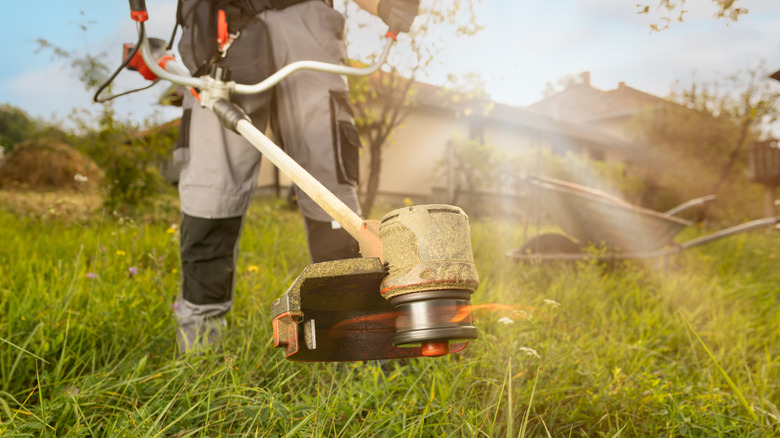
333 312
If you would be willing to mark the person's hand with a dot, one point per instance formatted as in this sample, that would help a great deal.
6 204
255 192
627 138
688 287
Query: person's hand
398 14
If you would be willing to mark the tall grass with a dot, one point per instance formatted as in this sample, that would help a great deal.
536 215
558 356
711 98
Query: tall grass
87 343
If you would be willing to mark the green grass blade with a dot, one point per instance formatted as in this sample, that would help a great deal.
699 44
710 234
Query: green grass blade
524 426
723 372
25 351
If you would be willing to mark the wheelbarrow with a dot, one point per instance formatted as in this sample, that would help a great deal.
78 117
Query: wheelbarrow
592 217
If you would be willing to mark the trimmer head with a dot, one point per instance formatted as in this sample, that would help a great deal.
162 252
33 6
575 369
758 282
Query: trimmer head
431 276
334 312
415 304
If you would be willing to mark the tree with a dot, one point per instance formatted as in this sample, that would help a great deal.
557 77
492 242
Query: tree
474 165
702 139
749 108
15 127
382 102
675 10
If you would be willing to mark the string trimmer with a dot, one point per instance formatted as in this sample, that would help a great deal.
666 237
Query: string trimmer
408 296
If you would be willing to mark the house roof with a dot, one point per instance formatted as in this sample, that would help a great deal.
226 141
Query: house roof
582 102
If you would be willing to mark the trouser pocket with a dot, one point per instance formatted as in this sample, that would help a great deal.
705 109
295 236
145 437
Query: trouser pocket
346 140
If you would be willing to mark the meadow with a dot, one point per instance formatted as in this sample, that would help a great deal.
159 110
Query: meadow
687 348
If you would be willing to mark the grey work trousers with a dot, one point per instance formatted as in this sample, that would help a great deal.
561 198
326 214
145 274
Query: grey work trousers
312 118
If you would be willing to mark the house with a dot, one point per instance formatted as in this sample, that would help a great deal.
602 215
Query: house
418 148
601 124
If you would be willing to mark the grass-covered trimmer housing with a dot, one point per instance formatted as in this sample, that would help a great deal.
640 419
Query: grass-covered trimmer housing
415 304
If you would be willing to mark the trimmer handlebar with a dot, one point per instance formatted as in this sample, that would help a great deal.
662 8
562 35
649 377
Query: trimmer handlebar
138 10
214 94
178 75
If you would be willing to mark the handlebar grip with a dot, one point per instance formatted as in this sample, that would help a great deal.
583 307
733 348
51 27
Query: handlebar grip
138 10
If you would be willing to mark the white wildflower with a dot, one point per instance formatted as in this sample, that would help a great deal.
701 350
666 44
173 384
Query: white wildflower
506 321
80 178
552 303
530 352
72 391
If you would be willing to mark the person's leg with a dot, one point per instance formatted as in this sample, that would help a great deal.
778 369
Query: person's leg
209 249
328 241
314 118
218 178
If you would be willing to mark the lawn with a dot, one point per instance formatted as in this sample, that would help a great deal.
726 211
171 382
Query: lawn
686 348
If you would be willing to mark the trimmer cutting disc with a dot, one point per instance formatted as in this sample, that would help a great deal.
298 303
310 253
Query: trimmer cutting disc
432 319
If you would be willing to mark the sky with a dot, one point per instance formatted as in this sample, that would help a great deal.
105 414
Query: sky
525 45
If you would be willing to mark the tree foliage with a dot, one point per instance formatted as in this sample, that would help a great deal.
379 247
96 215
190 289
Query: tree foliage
674 10
382 102
128 156
701 140
474 168
15 127
564 82
472 165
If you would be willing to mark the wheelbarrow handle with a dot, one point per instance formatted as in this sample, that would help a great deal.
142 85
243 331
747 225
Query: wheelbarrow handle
737 229
690 204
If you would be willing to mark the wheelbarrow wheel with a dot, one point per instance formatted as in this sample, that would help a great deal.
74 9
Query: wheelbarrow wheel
549 243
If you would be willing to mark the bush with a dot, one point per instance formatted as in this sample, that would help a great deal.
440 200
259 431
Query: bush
129 158
483 168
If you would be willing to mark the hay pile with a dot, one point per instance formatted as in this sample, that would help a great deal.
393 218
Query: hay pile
45 165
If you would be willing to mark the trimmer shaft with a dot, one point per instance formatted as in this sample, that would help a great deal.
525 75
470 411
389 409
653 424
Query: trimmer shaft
431 276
